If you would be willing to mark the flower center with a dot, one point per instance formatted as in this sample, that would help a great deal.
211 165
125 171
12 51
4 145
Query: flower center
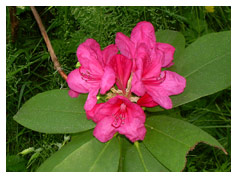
88 76
119 116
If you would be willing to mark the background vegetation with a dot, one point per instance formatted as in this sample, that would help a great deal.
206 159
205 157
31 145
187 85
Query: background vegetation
30 71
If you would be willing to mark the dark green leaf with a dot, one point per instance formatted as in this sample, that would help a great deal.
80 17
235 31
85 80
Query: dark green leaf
54 112
170 140
206 66
84 154
139 159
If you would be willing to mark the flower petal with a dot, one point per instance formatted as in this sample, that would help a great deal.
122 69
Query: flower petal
137 86
133 127
104 130
90 56
91 99
90 114
108 80
144 32
168 51
147 101
125 45
122 67
160 96
173 84
109 52
152 63
76 83
73 94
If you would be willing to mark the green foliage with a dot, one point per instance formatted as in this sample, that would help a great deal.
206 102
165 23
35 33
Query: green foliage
167 141
206 66
84 153
174 38
170 139
30 71
137 158
15 163
54 112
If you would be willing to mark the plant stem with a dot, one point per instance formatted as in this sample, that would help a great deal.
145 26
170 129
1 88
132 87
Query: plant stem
48 43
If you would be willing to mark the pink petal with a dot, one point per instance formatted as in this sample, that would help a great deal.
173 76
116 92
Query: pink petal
73 94
104 131
125 45
147 101
104 110
173 84
168 51
161 97
109 52
76 83
133 127
137 85
91 99
131 122
108 79
151 61
90 56
90 114
122 67
144 32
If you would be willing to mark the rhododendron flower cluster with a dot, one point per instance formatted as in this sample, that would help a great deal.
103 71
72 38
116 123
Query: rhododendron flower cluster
132 79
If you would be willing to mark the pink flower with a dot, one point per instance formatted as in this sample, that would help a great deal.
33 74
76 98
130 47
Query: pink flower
144 33
122 68
148 78
94 72
147 101
118 115
149 57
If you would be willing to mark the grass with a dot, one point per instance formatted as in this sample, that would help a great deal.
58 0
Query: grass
30 71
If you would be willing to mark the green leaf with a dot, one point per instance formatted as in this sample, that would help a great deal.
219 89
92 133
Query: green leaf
206 65
170 140
54 112
84 154
173 38
138 158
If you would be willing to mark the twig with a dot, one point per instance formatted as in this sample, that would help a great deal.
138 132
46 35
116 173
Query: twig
14 22
48 43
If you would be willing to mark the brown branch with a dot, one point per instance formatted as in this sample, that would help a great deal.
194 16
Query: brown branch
14 22
48 43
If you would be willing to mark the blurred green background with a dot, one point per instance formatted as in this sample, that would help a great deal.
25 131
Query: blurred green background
30 71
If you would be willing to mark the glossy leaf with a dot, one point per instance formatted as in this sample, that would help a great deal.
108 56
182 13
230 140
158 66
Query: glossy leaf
84 154
54 112
170 140
174 38
206 65
138 158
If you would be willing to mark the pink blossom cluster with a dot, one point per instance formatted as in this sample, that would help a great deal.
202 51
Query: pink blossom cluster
139 78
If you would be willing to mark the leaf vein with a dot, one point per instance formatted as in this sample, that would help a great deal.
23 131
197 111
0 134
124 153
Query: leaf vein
98 157
218 58
57 111
171 137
